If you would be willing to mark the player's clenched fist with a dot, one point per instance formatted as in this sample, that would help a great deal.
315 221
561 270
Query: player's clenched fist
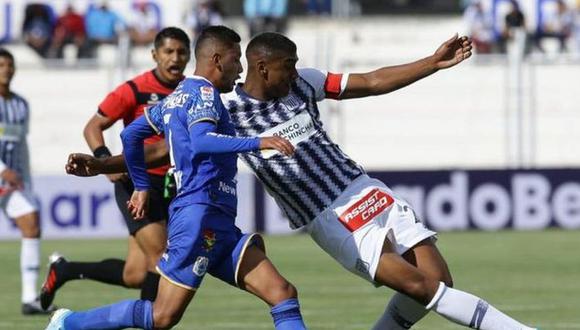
277 143
83 165
138 204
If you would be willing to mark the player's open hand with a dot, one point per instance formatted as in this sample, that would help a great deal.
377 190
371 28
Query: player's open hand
277 143
452 52
83 165
138 204
13 179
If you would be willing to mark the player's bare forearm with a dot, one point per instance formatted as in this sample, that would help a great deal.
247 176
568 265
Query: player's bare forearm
154 157
93 131
86 165
388 79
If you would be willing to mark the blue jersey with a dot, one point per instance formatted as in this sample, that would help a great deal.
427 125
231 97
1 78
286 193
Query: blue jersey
202 145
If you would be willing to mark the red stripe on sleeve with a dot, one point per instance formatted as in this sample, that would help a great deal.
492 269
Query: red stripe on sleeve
332 85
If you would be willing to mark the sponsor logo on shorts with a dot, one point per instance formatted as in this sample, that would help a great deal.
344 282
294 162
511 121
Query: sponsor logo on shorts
200 266
224 187
366 209
165 257
208 240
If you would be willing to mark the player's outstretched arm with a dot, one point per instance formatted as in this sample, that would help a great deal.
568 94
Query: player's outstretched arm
79 164
132 138
204 139
388 79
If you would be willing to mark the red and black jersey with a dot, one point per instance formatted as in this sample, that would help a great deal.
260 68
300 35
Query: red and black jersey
128 101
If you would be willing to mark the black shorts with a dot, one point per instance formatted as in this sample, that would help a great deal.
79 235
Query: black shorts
158 205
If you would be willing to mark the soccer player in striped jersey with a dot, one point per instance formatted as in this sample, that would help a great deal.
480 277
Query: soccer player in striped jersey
202 235
147 237
16 198
356 219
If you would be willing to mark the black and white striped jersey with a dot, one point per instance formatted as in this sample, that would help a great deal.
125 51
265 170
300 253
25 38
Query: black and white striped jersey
308 182
14 118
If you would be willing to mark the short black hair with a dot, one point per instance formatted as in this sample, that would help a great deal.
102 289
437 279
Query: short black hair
5 53
218 33
269 43
171 33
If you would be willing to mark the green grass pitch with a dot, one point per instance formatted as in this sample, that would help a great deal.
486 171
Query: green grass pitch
533 276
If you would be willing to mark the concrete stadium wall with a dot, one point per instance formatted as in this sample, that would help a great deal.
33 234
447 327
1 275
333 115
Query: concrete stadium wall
454 119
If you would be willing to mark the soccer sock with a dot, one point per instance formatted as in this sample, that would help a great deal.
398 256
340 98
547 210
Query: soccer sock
107 271
124 314
29 266
149 287
468 310
401 313
287 315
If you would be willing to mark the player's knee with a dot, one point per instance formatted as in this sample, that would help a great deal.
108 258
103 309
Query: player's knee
420 289
165 320
31 232
133 278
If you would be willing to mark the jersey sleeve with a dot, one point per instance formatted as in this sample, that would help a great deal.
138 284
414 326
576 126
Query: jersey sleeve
154 117
204 106
119 102
326 84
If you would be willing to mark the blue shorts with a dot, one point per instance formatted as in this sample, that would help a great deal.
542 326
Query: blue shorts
203 239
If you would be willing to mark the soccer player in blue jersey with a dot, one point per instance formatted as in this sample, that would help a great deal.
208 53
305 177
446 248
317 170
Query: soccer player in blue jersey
202 236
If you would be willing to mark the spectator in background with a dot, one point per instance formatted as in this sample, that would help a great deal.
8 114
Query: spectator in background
266 15
556 24
514 20
38 27
69 29
318 7
103 25
205 13
576 30
144 24
480 27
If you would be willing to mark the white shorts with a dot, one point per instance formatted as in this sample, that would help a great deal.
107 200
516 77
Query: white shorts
354 228
18 203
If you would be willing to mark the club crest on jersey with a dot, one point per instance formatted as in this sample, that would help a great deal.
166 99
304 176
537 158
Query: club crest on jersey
365 209
153 99
206 93
208 240
200 266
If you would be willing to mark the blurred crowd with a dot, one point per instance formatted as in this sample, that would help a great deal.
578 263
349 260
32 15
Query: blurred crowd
492 29
48 32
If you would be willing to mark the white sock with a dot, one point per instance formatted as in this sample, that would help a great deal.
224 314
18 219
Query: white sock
468 310
401 313
29 266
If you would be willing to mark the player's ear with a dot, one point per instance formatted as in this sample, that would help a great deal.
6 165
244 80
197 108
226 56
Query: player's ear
262 69
216 59
154 54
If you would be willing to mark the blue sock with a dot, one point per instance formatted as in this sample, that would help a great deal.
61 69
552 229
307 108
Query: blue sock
124 314
287 316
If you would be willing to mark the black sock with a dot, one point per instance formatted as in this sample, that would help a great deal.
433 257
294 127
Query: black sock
108 271
149 287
